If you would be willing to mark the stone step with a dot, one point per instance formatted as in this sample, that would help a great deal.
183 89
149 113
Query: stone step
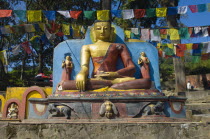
201 118
198 108
200 96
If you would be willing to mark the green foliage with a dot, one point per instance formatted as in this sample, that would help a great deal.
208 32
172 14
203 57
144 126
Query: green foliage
166 69
203 67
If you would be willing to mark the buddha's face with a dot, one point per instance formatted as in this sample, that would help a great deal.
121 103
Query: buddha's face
68 58
102 31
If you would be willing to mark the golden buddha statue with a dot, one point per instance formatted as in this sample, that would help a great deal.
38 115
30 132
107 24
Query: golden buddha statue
104 55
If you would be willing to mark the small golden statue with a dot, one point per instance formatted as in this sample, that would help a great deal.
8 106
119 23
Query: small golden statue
143 61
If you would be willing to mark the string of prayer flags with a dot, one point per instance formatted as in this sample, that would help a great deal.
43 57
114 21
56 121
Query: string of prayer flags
161 12
193 8
26 47
66 29
128 14
151 12
49 35
172 11
168 51
21 14
6 30
103 15
65 13
42 26
139 13
117 13
174 34
75 14
197 52
76 30
50 15
201 7
135 31
16 50
189 46
89 14
5 13
182 9
154 37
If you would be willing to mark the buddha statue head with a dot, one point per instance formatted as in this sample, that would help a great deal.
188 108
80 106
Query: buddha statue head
103 31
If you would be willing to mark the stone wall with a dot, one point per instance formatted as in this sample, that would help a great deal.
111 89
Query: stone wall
105 131
197 80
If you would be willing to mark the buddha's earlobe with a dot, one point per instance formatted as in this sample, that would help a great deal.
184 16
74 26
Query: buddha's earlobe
94 35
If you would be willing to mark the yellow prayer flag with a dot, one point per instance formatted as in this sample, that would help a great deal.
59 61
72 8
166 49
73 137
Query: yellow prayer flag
42 26
174 34
161 12
34 15
170 45
189 46
76 30
102 14
162 36
66 29
127 34
3 57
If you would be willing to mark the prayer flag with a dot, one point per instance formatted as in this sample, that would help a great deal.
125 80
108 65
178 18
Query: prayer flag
34 15
75 14
90 14
6 30
42 26
127 34
190 30
5 13
189 46
197 31
168 51
208 50
16 50
3 57
195 46
139 13
208 7
184 34
65 13
49 35
50 15
66 29
174 34
204 31
182 9
180 48
161 12
205 56
201 7
102 14
144 34
163 31
21 14
26 47
76 30
128 14
151 12
154 37
193 8
205 48
172 11
134 36
196 59
161 22
29 28
156 32
135 31
117 13
197 52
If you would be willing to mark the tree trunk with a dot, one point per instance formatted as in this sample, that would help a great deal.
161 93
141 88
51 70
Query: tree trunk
22 74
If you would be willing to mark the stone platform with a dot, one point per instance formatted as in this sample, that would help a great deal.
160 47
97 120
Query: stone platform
93 105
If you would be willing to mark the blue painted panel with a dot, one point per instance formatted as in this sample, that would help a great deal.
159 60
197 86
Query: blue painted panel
74 47
33 115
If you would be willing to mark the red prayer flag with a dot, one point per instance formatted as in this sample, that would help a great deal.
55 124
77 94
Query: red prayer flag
193 8
139 13
205 56
163 31
5 13
180 48
75 14
26 47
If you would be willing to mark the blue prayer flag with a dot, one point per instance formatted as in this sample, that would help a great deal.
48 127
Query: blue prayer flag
172 11
117 13
49 14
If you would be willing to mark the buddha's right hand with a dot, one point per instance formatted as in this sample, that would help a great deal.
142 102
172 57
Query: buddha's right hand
81 79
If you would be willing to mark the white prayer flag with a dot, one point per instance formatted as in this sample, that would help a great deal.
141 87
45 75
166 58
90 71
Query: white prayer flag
135 31
153 37
128 14
65 13
144 34
205 31
182 9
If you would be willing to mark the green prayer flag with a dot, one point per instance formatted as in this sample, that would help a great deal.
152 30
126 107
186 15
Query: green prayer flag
156 32
168 51
90 14
21 14
151 12
196 59
183 33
